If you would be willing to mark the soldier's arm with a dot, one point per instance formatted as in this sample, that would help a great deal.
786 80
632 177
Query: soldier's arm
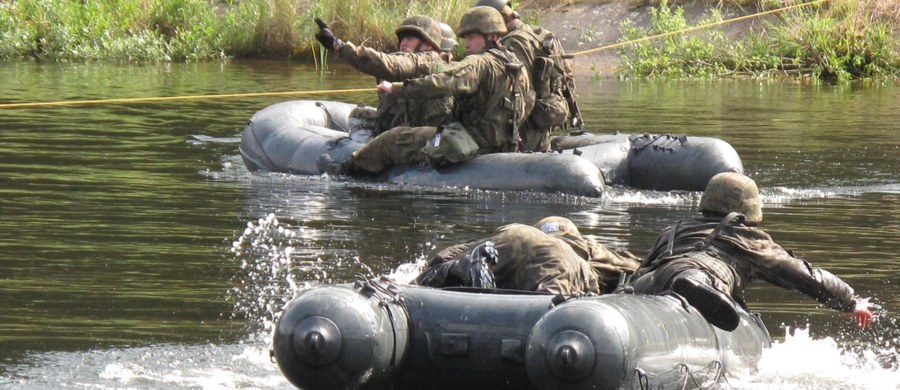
783 269
463 77
386 66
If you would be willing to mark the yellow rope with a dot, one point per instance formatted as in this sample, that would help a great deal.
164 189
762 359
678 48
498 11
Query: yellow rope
357 90
695 28
168 98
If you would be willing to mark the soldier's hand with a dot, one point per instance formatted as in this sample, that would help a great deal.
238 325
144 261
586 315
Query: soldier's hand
862 317
326 37
385 87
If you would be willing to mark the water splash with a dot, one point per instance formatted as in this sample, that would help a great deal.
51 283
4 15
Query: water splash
273 270
224 366
803 362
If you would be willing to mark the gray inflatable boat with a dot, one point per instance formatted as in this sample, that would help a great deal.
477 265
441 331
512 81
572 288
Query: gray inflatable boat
378 335
291 136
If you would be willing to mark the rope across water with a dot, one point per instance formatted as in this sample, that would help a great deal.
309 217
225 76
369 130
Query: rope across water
360 90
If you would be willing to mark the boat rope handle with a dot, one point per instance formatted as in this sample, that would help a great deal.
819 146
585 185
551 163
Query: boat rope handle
717 369
360 90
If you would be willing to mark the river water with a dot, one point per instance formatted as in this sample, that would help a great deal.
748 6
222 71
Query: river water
136 251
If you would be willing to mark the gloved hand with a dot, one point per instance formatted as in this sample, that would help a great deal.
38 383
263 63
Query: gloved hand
862 317
326 37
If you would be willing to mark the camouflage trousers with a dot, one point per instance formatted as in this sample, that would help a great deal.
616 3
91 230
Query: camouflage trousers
534 139
398 146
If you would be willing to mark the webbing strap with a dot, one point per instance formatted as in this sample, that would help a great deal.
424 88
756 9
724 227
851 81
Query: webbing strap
731 219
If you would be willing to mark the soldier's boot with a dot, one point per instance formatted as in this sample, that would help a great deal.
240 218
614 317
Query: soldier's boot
328 165
715 306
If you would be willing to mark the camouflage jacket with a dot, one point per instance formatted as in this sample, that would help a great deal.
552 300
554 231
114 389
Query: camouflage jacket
394 111
752 254
482 88
528 260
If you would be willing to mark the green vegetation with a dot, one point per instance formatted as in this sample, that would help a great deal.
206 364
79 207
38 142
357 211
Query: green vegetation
197 30
131 30
844 40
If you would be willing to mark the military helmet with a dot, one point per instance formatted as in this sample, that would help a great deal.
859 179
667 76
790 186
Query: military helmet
732 192
424 27
481 19
557 224
496 4
448 37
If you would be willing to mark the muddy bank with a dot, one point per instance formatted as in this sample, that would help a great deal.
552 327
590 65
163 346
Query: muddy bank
583 27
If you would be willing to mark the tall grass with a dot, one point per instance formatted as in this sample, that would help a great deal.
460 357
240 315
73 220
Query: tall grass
197 30
841 40
372 22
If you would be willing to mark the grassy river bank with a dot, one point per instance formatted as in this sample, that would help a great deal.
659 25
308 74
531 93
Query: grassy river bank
828 40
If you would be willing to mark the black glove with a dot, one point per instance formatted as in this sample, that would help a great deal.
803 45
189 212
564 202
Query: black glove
326 37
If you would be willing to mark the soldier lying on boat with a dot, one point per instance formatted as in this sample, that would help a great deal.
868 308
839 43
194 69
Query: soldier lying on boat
492 98
709 260
420 40
552 256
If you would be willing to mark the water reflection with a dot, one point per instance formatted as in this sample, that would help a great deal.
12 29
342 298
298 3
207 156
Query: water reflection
119 222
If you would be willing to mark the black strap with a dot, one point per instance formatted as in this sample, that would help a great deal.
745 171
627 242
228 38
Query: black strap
670 247
732 218
514 68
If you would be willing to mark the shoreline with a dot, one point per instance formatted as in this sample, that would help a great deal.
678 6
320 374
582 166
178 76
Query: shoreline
583 27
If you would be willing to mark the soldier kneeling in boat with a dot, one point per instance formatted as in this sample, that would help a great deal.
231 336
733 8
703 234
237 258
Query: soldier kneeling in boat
552 256
709 260
492 98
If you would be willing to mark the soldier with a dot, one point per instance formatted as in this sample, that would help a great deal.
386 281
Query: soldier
709 260
448 40
552 256
492 96
551 76
421 53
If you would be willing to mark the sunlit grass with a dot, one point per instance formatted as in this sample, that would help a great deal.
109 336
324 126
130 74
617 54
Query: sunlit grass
840 40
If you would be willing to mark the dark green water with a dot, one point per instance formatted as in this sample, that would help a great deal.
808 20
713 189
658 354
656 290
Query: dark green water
117 221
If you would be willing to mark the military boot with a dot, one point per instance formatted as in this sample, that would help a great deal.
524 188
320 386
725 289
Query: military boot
715 306
326 164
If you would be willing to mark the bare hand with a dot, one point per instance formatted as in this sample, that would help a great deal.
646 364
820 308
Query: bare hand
862 317
385 87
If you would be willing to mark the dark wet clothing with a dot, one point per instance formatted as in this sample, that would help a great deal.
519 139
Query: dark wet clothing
736 256
532 260
393 110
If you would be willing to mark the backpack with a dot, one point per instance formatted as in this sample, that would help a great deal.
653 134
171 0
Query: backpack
551 75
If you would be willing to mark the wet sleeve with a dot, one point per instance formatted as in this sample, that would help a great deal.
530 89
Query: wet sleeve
385 66
781 268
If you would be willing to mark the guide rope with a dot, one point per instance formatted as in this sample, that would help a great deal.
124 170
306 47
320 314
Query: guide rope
360 90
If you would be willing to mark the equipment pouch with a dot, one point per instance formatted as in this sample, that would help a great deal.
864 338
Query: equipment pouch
549 112
452 144
542 77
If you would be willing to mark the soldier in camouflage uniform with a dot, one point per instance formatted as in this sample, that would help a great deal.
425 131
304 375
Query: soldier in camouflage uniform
710 260
421 53
492 96
553 107
552 256
448 39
